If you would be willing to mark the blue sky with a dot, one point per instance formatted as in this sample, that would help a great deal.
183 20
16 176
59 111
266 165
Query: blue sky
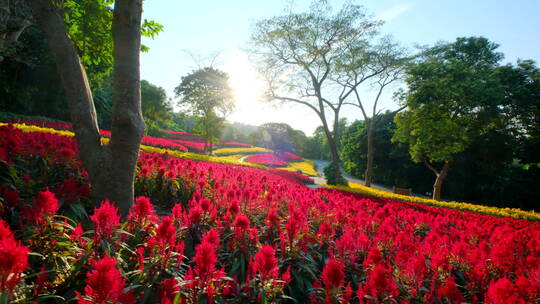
207 27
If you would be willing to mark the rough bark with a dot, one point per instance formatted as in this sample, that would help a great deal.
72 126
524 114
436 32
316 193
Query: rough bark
440 176
331 138
369 167
76 88
110 168
127 121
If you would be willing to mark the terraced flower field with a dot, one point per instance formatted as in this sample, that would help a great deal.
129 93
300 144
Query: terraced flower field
206 232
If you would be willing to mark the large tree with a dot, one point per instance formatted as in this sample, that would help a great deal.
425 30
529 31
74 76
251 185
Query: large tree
452 95
300 55
207 95
110 167
380 65
279 137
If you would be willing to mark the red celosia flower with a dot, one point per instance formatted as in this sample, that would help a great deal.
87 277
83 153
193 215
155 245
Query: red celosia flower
77 233
45 204
69 190
234 208
13 259
205 260
266 263
374 257
527 288
205 204
177 213
140 257
380 283
272 219
502 291
241 222
142 211
347 295
3 154
65 154
325 232
332 275
145 171
11 196
105 220
169 290
212 236
286 276
450 291
105 284
180 246
165 236
195 215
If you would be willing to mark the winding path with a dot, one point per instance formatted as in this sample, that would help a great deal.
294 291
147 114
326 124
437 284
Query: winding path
321 180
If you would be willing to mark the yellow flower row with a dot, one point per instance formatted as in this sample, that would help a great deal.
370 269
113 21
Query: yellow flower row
306 167
31 128
504 212
230 151
234 157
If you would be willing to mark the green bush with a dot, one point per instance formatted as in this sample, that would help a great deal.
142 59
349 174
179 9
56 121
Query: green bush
331 177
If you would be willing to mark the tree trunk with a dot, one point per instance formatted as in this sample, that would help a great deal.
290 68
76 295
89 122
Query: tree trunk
369 166
110 168
333 150
127 121
76 88
437 186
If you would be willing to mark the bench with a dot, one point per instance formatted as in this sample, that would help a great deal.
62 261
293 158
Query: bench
402 191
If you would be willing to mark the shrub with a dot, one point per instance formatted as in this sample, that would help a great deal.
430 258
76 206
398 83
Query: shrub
330 174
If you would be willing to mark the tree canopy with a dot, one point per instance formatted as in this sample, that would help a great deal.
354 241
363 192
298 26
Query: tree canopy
207 95
452 96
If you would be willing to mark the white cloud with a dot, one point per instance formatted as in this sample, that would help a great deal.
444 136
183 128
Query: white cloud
394 11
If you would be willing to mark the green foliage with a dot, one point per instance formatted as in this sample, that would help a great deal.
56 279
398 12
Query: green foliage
393 166
30 83
155 107
89 24
331 177
451 92
208 97
279 137
316 146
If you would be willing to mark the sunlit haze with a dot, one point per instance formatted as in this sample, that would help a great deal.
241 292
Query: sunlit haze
205 28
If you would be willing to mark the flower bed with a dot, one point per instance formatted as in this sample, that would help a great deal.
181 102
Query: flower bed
306 167
288 156
231 151
148 140
234 232
267 159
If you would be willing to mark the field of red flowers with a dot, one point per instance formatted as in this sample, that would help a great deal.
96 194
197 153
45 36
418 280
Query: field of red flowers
196 143
267 159
203 232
